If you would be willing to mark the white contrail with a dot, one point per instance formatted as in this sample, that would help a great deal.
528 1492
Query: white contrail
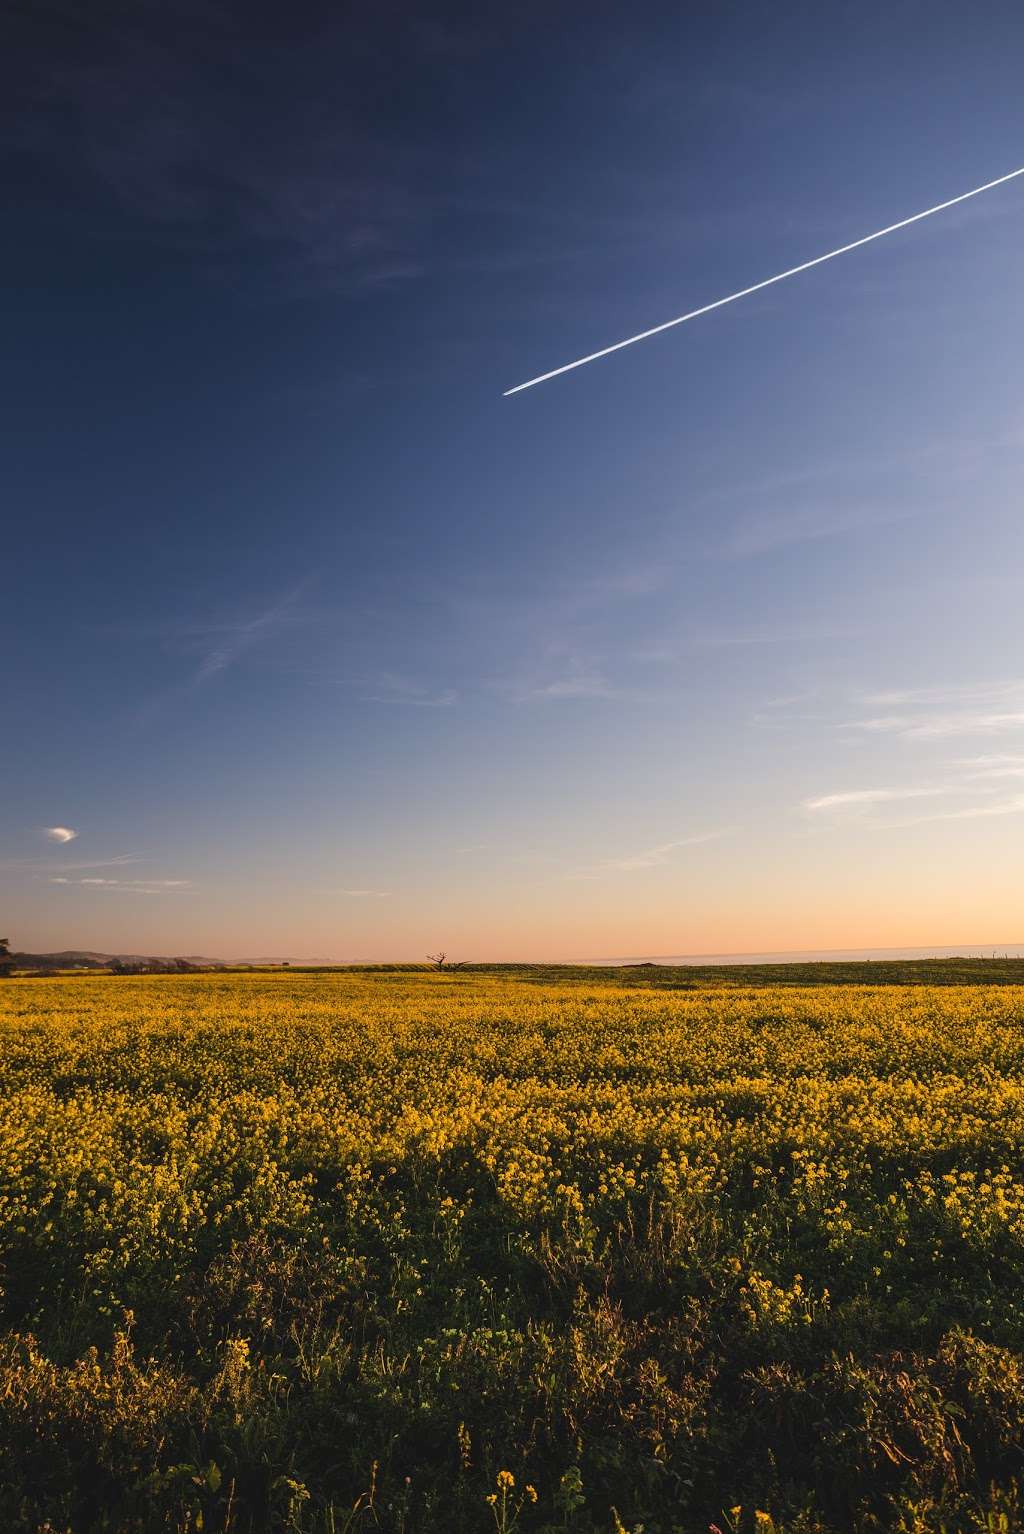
767 283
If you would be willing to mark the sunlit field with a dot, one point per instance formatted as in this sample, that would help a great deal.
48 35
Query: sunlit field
463 1251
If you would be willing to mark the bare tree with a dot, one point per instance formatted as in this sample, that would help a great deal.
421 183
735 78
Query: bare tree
442 961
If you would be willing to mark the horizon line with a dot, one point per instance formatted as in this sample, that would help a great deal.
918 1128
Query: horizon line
988 950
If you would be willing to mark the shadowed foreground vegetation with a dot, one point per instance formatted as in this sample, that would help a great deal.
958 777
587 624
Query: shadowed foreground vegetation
461 1251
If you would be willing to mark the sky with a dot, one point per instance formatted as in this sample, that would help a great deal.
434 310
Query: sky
317 646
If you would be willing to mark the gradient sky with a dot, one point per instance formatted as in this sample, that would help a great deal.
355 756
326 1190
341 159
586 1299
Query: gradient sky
323 648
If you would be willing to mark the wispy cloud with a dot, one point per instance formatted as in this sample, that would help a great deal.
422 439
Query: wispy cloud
820 483
389 687
868 796
127 886
116 862
654 857
651 857
570 687
623 582
576 680
998 807
212 646
994 766
411 694
221 644
942 726
764 532
783 710
969 693
359 894
46 866
60 833
741 635
945 711
977 779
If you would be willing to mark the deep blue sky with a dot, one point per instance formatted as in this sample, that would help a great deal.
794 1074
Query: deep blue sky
303 616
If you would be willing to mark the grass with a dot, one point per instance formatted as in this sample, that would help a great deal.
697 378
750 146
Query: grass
544 1251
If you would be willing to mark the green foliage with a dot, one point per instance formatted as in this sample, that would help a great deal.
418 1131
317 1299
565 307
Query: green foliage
417 1252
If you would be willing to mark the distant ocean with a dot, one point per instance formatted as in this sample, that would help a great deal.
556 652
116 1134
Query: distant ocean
829 955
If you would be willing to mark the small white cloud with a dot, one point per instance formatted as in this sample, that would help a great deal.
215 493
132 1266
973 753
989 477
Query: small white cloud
363 894
60 833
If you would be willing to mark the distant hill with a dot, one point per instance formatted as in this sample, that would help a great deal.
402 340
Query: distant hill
81 958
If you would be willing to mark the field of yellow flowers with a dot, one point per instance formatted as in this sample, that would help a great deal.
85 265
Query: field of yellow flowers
423 1252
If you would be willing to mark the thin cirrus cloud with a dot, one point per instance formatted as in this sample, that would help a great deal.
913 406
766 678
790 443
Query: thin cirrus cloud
568 687
446 698
651 857
1010 806
44 865
224 644
127 886
117 862
59 833
764 533
868 796
943 726
977 778
389 687
946 712
972 694
215 646
995 766
212 647
578 680
745 635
